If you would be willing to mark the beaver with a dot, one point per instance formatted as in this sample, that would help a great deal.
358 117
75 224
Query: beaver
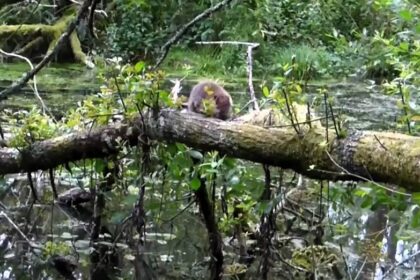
212 92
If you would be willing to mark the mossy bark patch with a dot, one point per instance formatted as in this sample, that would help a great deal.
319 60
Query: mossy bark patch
36 34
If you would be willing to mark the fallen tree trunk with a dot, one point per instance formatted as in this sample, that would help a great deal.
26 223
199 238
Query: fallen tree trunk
37 34
379 156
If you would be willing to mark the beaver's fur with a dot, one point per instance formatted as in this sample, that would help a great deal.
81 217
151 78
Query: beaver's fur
208 90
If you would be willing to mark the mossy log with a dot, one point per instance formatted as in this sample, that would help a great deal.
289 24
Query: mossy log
37 34
380 156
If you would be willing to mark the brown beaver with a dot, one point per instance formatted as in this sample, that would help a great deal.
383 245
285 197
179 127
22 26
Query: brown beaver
210 91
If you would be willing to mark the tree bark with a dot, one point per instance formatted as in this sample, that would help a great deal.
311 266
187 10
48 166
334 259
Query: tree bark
378 156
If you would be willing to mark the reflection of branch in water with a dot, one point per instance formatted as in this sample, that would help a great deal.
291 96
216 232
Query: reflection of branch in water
400 263
32 244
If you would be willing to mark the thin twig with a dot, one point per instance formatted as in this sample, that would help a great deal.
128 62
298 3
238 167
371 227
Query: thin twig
249 70
333 119
404 107
345 263
288 125
361 268
119 93
44 107
364 178
295 126
326 119
380 143
179 213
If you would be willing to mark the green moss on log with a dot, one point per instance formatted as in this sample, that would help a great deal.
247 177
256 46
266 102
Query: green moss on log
50 34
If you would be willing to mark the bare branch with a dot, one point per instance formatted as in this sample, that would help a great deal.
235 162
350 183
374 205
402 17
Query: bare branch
43 106
165 48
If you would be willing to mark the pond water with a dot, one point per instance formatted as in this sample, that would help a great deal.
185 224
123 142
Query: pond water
63 86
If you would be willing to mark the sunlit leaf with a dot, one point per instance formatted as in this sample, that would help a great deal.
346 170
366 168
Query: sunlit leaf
406 15
415 197
66 235
362 191
139 66
404 46
195 184
266 91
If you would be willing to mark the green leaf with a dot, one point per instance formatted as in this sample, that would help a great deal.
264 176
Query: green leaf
367 202
139 66
362 191
172 149
404 47
406 15
229 162
266 92
181 147
99 165
415 198
415 220
195 184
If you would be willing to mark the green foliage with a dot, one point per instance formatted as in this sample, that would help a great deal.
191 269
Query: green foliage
55 248
306 21
371 196
229 62
403 210
308 62
127 90
365 45
32 126
30 13
328 38
403 53
137 30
